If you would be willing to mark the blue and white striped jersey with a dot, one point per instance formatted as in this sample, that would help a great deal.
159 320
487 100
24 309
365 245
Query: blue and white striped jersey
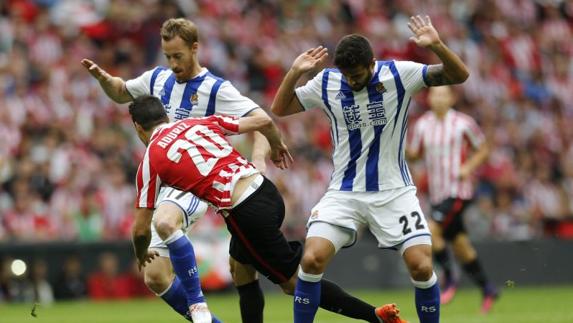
368 127
203 95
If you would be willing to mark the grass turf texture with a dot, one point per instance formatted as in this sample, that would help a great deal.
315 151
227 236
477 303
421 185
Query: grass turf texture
516 305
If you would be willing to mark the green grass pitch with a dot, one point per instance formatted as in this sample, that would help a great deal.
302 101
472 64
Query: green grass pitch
516 305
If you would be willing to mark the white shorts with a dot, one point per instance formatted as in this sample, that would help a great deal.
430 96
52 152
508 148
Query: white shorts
193 209
393 216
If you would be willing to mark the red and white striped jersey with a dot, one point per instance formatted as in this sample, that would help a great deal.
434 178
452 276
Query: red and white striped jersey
192 155
445 144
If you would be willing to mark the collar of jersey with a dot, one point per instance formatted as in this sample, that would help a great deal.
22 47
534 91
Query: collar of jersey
204 71
157 131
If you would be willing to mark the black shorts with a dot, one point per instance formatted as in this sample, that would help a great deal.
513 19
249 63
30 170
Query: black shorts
448 215
256 238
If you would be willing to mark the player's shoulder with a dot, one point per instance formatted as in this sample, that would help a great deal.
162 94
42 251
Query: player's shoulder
463 117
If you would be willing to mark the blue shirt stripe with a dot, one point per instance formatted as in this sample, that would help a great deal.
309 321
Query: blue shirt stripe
401 160
374 95
186 105
156 72
213 94
399 90
354 138
167 89
329 114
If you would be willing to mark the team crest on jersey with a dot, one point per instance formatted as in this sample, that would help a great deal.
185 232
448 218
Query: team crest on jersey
380 88
195 99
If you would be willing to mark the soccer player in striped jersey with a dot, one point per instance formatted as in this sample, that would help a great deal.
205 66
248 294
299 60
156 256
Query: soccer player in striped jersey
193 155
185 89
367 101
446 138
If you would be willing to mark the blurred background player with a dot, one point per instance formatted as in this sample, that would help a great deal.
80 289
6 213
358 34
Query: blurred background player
367 103
185 89
453 147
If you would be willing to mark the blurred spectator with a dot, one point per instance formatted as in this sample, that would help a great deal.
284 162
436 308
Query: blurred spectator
69 154
70 282
107 282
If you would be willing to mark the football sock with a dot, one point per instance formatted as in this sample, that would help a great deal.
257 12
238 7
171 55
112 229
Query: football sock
306 297
251 302
428 300
335 299
185 266
475 271
443 258
176 297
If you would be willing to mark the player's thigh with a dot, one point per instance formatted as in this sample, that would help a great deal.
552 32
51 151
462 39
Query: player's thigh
180 207
323 241
438 242
341 209
158 274
242 274
397 220
463 248
257 239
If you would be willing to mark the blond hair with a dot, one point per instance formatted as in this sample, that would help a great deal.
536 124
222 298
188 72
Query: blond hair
181 27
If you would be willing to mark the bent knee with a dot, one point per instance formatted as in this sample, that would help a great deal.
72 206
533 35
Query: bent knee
157 281
421 271
313 262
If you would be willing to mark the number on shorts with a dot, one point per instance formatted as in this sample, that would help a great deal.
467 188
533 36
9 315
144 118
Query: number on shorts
203 137
404 220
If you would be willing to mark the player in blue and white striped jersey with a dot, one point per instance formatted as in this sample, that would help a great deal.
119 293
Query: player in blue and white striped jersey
186 89
367 102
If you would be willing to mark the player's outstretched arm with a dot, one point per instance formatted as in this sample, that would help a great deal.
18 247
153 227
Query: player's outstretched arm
280 156
114 87
285 102
452 70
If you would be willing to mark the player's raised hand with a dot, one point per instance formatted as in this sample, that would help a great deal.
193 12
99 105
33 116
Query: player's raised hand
280 156
310 59
97 72
424 33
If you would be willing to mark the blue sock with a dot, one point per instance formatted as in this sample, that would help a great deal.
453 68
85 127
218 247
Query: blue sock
428 300
306 297
185 266
176 297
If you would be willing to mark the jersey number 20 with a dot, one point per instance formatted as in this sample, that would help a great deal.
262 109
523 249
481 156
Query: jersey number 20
200 136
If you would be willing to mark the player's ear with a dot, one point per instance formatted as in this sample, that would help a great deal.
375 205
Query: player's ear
195 47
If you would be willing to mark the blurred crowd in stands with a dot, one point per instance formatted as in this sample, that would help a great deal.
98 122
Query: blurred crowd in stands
68 154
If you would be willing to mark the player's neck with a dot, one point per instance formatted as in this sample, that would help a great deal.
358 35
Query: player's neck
196 70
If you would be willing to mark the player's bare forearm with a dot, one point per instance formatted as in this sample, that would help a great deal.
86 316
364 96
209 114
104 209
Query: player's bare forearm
285 102
114 88
451 71
141 232
272 134
261 149
476 159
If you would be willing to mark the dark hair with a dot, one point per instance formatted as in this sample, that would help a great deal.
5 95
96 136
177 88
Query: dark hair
148 112
181 27
352 51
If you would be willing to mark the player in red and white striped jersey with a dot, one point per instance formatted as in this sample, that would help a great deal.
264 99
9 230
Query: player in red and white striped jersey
453 147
